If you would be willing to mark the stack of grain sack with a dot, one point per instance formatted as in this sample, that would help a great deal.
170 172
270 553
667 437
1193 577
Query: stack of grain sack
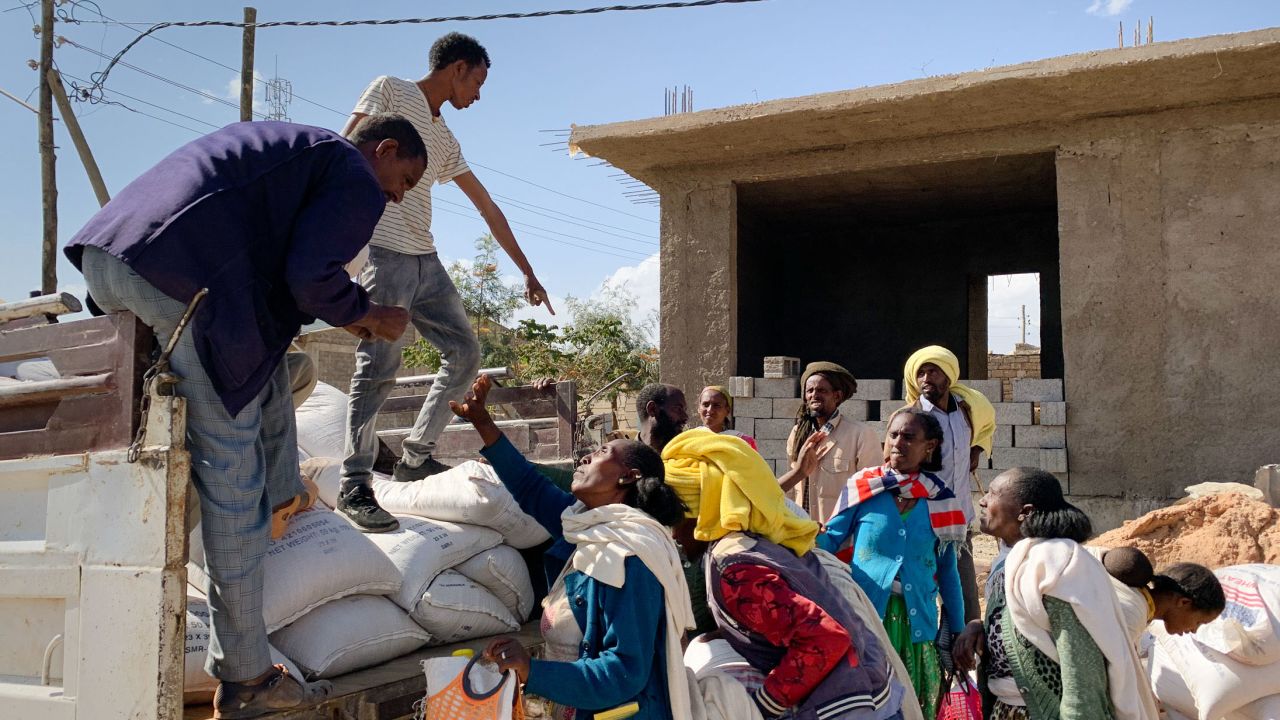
337 600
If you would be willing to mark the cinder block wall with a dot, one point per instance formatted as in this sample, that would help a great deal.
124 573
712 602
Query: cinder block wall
1031 419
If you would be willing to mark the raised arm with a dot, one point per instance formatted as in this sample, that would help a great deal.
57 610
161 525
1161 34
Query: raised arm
501 229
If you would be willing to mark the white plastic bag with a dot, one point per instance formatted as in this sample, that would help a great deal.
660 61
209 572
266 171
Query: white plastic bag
503 572
349 634
318 559
1216 684
462 688
423 548
455 608
198 686
1248 630
322 423
470 493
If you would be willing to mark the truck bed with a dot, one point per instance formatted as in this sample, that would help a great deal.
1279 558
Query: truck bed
383 692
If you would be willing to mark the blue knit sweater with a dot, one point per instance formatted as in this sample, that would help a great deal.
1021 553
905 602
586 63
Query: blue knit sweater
623 656
888 546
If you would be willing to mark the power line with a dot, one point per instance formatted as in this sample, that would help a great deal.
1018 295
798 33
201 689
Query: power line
220 64
542 229
151 104
96 88
642 236
556 240
519 205
562 194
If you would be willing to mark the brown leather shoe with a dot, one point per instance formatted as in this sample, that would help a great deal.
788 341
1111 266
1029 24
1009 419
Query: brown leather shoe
237 701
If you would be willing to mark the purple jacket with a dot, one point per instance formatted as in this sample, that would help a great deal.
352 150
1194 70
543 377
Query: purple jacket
865 691
265 215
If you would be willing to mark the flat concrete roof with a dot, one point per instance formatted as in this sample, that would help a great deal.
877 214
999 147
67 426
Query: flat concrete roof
1148 78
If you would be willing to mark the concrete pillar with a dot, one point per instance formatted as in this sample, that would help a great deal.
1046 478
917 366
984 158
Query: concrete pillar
699 286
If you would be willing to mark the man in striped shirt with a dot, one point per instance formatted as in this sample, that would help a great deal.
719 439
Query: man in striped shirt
403 269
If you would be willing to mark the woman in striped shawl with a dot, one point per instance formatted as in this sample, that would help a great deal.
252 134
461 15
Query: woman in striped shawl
901 525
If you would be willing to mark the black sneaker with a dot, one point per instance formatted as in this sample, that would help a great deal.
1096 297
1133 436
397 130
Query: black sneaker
363 511
406 473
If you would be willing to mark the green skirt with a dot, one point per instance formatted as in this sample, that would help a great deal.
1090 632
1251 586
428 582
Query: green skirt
921 659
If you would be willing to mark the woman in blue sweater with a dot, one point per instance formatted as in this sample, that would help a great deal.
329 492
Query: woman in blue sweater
618 604
902 525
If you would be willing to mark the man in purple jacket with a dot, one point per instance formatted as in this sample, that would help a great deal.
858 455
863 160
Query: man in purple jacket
265 215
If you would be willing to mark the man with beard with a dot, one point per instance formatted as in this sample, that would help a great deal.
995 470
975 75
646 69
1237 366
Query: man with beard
662 414
930 382
849 447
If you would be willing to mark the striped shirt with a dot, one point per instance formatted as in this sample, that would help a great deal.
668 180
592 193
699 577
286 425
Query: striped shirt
406 228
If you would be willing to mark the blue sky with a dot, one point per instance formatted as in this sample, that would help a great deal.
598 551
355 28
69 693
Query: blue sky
547 74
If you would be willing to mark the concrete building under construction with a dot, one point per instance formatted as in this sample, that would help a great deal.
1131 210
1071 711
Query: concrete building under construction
1142 184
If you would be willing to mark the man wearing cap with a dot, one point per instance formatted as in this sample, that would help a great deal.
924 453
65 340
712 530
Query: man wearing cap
930 382
850 445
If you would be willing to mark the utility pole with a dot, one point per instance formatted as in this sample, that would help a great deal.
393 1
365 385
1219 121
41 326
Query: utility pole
246 65
1024 324
48 161
77 137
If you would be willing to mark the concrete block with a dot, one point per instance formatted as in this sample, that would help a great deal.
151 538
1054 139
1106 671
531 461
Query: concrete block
1053 413
1007 458
773 429
772 449
985 476
1040 436
879 426
1033 390
888 407
786 407
874 390
984 460
753 408
781 366
745 425
1013 413
788 387
992 390
742 387
855 409
1003 436
1055 460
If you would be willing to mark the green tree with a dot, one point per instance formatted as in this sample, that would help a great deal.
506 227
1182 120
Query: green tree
600 343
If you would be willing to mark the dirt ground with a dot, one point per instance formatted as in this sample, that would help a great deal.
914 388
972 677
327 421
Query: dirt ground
984 551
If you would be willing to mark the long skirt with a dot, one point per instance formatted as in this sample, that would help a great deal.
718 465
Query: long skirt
921 658
1008 712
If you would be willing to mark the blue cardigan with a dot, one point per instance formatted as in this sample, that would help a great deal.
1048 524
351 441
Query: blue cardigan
887 546
624 629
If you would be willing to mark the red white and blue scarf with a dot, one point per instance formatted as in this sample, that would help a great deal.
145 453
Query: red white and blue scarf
945 513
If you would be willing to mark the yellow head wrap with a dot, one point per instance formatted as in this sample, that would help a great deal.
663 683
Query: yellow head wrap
980 409
724 392
729 488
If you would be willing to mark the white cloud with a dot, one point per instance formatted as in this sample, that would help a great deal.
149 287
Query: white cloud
1108 8
643 284
233 92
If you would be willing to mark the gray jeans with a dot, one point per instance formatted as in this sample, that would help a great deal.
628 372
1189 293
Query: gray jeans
240 465
420 284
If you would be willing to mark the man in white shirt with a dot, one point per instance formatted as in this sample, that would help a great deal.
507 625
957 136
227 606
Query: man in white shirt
968 422
403 270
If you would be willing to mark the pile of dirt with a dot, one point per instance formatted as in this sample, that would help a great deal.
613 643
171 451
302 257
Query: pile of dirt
1214 530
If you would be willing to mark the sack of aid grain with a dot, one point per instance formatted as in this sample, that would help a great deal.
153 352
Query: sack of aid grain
322 423
349 634
199 686
455 608
470 493
319 558
423 548
503 572
1248 630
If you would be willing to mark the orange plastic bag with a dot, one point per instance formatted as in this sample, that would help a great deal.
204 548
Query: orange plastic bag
452 692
